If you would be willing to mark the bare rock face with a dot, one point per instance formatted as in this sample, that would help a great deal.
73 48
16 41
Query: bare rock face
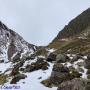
12 43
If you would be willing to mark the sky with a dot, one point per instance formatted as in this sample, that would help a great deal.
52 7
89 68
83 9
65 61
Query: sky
39 21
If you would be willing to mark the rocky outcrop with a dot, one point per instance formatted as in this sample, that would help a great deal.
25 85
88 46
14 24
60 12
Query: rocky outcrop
75 84
62 58
60 73
51 57
17 77
39 64
12 43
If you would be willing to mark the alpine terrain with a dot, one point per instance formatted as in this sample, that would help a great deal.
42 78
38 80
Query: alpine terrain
62 65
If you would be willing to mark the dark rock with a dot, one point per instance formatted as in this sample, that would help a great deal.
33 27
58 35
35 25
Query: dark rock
88 76
47 83
75 58
59 74
1 61
62 58
87 64
88 71
51 57
75 84
87 87
15 70
17 78
60 68
16 58
39 64
57 77
40 78
88 57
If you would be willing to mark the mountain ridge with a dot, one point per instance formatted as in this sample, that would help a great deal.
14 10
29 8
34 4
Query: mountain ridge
74 35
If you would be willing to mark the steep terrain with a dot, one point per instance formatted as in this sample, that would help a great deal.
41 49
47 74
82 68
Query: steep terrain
75 37
12 44
62 65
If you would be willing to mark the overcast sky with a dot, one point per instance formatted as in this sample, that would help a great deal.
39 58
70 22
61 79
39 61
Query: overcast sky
39 21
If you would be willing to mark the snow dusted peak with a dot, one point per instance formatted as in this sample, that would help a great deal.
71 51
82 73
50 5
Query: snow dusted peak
12 43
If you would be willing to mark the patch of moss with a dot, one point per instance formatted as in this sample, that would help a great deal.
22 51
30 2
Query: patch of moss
3 79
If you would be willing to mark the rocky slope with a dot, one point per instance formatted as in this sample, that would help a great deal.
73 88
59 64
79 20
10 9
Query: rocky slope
74 37
12 44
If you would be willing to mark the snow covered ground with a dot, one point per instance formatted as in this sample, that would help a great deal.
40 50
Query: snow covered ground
32 82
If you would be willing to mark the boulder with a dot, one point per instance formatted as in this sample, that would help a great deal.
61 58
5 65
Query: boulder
39 64
3 79
17 77
88 57
16 58
60 68
87 64
75 84
75 58
51 57
59 74
62 58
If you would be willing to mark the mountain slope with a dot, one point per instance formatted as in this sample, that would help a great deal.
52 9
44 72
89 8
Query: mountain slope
12 44
75 37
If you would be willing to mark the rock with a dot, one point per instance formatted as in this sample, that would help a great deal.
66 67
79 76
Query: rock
75 58
1 61
60 68
87 64
79 69
59 74
88 57
87 87
39 64
88 76
74 74
81 64
47 83
88 71
62 58
57 77
75 84
15 70
17 78
51 57
40 78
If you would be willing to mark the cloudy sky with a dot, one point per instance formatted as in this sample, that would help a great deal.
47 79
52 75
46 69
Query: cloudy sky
39 21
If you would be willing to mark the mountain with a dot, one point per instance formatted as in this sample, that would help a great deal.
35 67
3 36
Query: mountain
62 65
12 44
74 37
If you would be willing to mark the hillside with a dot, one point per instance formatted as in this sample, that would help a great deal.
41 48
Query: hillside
74 37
